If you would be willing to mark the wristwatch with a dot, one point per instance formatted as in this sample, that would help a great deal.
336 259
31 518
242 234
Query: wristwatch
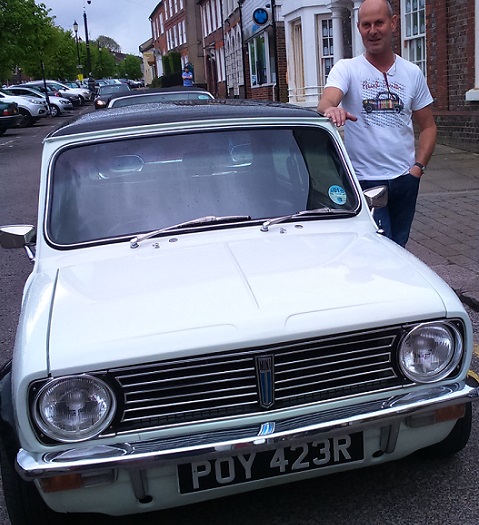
421 167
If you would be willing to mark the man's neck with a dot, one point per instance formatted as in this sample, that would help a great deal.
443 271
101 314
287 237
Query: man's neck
382 62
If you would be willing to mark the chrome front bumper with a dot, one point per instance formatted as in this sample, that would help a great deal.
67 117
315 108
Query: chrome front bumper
388 412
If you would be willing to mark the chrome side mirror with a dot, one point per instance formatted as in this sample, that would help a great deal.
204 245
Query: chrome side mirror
376 197
19 236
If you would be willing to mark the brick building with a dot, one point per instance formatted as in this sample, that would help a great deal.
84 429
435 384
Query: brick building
452 51
175 26
284 49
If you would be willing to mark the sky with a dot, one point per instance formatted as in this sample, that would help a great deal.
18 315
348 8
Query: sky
126 21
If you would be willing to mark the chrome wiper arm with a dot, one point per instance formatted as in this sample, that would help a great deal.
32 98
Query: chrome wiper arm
135 242
318 211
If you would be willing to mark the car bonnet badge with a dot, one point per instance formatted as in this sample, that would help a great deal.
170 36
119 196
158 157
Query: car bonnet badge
265 378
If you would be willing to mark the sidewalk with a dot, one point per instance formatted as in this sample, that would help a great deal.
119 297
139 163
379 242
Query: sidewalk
445 231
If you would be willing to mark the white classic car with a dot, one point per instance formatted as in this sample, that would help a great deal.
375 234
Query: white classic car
213 310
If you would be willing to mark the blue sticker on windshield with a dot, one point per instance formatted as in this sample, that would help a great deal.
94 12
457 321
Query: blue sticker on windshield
337 195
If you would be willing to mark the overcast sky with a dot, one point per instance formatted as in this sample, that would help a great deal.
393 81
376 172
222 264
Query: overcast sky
126 21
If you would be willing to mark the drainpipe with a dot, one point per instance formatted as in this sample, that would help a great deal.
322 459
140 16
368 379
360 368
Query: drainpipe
240 4
224 48
276 94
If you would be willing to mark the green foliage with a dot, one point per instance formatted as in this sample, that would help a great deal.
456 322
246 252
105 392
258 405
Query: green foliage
166 64
58 55
31 42
156 83
102 60
24 27
171 63
175 61
130 67
108 43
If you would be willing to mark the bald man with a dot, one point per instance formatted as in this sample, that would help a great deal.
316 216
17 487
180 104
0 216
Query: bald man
377 96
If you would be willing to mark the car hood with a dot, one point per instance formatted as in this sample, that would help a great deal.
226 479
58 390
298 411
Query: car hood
180 300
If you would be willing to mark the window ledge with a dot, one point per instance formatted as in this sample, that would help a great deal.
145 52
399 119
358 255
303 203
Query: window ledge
472 95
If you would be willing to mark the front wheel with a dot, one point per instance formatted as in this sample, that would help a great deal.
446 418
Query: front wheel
24 504
54 111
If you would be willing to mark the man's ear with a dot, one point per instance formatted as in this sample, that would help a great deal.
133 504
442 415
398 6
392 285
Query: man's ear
394 22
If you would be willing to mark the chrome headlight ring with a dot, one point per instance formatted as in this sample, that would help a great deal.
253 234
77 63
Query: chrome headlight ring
74 408
429 352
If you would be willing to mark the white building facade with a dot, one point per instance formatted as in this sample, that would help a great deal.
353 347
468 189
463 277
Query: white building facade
318 34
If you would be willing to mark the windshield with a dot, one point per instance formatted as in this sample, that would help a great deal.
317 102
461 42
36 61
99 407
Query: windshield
129 186
110 89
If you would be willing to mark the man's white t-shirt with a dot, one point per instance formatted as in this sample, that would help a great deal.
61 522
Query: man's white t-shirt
381 142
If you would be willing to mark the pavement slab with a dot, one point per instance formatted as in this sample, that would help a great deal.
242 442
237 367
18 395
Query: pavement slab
445 231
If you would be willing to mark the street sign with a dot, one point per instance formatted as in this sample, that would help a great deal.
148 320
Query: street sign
260 16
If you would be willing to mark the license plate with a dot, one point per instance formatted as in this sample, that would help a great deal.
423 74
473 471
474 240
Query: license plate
242 468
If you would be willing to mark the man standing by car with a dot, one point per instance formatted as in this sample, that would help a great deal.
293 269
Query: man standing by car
380 95
187 77
91 84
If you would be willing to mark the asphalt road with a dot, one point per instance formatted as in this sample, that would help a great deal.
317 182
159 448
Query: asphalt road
409 492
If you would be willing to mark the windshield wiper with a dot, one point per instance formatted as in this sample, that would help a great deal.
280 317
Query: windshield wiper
319 211
135 242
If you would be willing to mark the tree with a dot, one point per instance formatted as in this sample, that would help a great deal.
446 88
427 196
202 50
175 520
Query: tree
130 67
57 53
23 25
105 42
103 61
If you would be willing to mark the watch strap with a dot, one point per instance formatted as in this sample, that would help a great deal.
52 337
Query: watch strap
420 166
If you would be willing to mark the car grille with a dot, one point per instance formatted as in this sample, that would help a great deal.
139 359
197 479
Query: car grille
207 387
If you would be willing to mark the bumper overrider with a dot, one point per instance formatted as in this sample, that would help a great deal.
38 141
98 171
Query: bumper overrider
414 409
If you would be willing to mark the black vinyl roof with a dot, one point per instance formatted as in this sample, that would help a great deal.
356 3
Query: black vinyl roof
181 111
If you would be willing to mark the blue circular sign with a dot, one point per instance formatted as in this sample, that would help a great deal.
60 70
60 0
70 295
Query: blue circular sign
260 16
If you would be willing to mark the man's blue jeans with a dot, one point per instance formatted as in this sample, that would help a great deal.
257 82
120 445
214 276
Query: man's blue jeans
396 218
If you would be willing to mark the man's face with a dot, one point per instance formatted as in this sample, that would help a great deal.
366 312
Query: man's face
376 26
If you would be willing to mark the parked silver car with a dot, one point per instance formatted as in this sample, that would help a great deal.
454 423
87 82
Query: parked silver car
58 105
31 108
64 91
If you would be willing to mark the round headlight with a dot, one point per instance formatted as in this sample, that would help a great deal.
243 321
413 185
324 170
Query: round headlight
74 408
430 352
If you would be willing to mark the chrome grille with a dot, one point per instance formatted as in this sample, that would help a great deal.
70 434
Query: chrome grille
220 385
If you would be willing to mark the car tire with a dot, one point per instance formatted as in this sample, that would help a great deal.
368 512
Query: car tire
2 131
27 119
54 111
454 442
24 504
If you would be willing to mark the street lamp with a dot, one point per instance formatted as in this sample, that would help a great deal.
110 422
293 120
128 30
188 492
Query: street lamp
87 42
75 28
100 69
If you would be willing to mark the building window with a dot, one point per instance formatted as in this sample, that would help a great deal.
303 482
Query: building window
298 63
327 49
414 32
259 60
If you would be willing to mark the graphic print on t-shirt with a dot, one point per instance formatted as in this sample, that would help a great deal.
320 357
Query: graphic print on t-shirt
382 102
